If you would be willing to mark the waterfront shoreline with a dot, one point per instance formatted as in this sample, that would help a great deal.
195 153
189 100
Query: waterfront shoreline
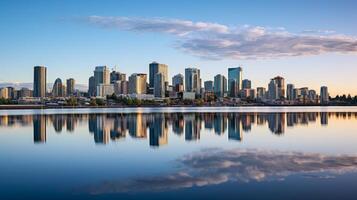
45 107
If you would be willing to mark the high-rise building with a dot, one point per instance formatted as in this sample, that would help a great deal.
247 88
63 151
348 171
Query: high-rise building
234 81
70 87
290 92
220 85
273 90
192 80
208 86
137 84
4 93
57 89
324 95
117 76
155 68
159 85
101 75
280 81
91 86
40 81
246 84
261 93
177 80
312 96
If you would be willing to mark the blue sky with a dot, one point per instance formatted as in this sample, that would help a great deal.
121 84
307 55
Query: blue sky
62 36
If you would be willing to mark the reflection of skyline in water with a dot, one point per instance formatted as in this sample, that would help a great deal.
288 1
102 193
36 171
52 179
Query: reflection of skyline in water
155 126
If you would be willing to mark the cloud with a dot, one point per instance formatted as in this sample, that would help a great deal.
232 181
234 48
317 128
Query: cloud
218 41
216 166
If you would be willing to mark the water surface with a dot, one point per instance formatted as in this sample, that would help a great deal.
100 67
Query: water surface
177 153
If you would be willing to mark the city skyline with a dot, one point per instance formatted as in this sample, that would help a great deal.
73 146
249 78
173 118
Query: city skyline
70 43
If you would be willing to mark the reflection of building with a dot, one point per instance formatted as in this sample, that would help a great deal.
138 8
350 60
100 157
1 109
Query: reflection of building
39 129
234 128
220 123
158 131
137 125
276 122
102 130
324 118
192 128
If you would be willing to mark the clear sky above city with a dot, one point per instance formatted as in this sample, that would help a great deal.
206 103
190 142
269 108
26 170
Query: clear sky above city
310 43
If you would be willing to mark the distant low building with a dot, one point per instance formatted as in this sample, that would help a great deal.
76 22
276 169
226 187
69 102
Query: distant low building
189 95
105 89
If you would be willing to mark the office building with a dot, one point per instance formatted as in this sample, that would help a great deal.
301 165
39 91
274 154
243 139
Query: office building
137 84
101 75
40 81
117 76
273 90
159 85
177 80
324 95
192 80
246 84
91 86
261 93
220 85
234 81
104 90
208 85
290 92
155 68
70 86
280 82
57 89
4 93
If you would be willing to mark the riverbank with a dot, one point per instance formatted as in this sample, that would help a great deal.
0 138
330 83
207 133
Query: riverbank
22 107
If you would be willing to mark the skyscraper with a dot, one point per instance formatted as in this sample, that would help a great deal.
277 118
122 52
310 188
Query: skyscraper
290 92
57 89
324 95
117 76
261 93
137 83
101 75
70 86
192 80
40 81
220 85
246 84
208 86
273 90
280 81
177 80
234 81
155 68
91 86
159 85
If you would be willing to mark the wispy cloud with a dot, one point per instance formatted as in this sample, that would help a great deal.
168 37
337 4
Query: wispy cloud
218 41
216 166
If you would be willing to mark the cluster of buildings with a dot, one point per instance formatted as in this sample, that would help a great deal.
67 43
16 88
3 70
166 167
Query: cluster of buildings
156 86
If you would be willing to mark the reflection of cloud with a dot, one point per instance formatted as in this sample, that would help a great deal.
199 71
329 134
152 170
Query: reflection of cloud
216 166
218 41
